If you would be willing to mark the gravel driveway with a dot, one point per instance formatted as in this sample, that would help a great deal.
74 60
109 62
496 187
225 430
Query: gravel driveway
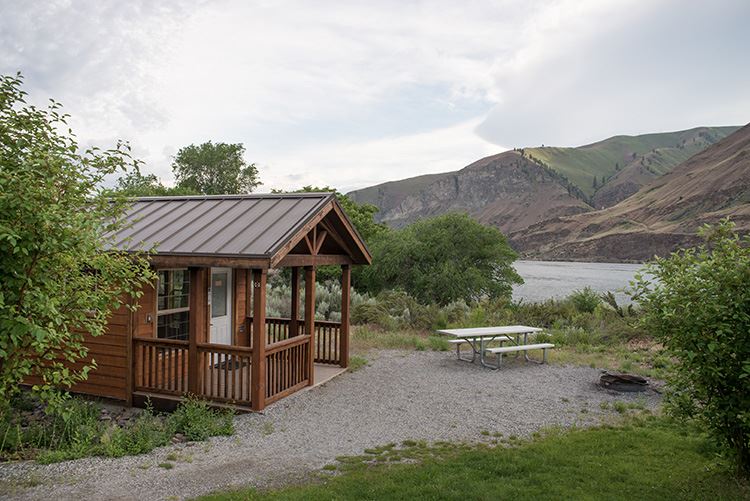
399 396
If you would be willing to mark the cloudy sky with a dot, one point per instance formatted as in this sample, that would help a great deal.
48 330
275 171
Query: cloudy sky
350 94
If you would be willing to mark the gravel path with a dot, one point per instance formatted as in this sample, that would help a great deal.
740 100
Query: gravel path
400 395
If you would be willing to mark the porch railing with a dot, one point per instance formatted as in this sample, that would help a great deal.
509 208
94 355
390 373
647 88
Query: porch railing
161 365
327 339
225 372
287 367
327 336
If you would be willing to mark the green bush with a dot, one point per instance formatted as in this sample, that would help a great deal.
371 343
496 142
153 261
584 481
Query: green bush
441 260
197 421
582 325
698 305
74 430
585 300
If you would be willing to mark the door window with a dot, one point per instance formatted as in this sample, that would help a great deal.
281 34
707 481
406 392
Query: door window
219 294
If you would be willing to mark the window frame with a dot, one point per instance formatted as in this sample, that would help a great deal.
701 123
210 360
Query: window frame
170 311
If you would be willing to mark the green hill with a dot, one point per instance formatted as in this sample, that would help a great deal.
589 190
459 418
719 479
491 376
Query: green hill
605 160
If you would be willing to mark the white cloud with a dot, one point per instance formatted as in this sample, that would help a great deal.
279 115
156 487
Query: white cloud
349 166
392 88
624 68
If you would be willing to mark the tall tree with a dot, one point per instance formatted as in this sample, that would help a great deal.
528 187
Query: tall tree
135 184
442 259
59 277
215 169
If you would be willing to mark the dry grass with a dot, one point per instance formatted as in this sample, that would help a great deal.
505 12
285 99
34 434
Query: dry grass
642 357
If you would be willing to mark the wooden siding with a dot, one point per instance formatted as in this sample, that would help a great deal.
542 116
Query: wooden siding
142 325
110 351
241 336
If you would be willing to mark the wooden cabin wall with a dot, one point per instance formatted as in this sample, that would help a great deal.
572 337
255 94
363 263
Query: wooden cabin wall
241 336
110 350
144 318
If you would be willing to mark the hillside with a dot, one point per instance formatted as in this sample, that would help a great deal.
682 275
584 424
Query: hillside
619 157
660 217
621 165
506 190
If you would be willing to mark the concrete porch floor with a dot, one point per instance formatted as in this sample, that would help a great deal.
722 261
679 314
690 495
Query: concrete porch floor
325 372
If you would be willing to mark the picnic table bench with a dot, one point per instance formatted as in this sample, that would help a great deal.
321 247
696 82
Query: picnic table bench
479 337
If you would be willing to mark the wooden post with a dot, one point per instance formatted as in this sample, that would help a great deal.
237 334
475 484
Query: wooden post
294 322
258 367
346 286
198 314
130 362
249 305
310 320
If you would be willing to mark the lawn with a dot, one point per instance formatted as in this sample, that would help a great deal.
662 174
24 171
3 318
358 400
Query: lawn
647 458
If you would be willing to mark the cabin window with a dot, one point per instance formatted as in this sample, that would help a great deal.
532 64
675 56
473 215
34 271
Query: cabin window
173 304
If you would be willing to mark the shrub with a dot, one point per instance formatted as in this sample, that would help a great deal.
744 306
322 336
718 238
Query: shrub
74 430
698 305
197 421
585 300
60 275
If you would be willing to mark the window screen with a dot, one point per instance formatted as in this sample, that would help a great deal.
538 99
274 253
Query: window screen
173 304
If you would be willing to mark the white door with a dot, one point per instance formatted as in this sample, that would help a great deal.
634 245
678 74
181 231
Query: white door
221 305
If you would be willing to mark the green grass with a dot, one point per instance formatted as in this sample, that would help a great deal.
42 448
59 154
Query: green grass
365 337
575 346
647 459
356 363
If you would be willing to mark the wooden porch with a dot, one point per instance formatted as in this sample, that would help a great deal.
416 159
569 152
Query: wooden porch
224 373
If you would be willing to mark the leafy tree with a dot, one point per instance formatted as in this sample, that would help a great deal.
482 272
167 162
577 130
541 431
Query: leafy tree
135 184
215 169
698 305
57 278
441 260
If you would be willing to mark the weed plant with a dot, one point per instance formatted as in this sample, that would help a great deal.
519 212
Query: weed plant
75 430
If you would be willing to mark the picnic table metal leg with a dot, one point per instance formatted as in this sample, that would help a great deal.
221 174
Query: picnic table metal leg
482 359
473 352
525 341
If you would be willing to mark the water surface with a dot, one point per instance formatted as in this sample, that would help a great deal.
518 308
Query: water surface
556 279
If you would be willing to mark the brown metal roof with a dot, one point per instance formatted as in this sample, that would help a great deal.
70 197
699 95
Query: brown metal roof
254 226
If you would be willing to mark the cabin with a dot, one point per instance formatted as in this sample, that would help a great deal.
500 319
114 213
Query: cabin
202 328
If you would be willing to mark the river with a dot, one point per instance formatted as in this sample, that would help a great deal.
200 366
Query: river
548 279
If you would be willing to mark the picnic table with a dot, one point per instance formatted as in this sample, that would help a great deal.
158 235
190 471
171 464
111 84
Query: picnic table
479 337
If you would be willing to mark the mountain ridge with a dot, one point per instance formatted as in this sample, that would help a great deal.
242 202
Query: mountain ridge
526 192
623 163
660 217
